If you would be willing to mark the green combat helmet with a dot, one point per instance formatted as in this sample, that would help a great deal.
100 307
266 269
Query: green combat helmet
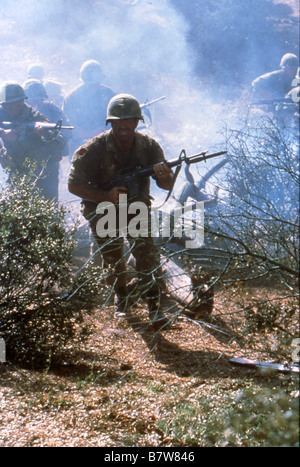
34 89
289 61
35 71
123 106
11 92
91 72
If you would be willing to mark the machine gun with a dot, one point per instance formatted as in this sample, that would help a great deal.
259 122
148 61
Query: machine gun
51 129
132 178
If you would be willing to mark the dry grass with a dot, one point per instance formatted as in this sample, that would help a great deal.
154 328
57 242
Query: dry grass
132 387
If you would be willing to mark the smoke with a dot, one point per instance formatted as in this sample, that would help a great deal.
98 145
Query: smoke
135 41
144 49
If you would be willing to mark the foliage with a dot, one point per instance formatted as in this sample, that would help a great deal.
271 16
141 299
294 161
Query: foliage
41 303
257 417
252 417
256 222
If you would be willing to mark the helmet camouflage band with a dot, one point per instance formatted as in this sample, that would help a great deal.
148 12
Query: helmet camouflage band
123 106
11 92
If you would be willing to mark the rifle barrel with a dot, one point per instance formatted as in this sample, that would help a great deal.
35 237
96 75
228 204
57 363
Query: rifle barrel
148 171
200 158
145 104
46 125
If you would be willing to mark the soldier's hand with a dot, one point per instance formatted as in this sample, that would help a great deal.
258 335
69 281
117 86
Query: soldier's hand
38 129
114 193
163 175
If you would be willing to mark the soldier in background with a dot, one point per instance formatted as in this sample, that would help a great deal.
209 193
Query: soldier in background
35 71
276 84
25 140
53 88
38 99
54 92
85 106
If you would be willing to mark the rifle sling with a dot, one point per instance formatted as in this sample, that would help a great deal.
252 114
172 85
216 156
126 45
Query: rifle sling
178 168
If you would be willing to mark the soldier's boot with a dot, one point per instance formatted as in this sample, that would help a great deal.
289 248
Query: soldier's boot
122 303
156 316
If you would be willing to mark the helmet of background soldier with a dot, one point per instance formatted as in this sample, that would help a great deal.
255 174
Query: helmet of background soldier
289 61
35 71
91 72
123 106
11 91
34 89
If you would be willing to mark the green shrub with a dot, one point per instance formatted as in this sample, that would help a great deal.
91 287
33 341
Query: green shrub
252 417
257 417
42 304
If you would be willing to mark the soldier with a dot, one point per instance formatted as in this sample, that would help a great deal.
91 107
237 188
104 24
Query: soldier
85 106
38 99
25 140
276 84
96 163
35 71
54 91
53 88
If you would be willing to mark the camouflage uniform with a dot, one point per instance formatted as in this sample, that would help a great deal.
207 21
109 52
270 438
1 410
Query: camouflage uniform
37 99
276 83
30 146
86 109
85 106
97 163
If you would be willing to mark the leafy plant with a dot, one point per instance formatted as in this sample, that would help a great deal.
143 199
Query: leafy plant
257 223
42 304
257 417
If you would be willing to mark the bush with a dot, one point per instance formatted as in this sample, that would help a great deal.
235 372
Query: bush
253 417
42 304
257 222
257 418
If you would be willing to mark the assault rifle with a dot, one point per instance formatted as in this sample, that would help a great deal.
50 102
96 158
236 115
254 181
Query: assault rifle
148 103
23 128
132 178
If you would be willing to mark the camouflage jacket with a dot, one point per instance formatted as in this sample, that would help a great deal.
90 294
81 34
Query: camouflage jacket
29 145
98 161
275 83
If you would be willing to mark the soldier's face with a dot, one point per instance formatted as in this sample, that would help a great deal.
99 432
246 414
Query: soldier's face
14 109
123 130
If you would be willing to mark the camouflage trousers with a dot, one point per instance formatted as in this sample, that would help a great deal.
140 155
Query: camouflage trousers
145 252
